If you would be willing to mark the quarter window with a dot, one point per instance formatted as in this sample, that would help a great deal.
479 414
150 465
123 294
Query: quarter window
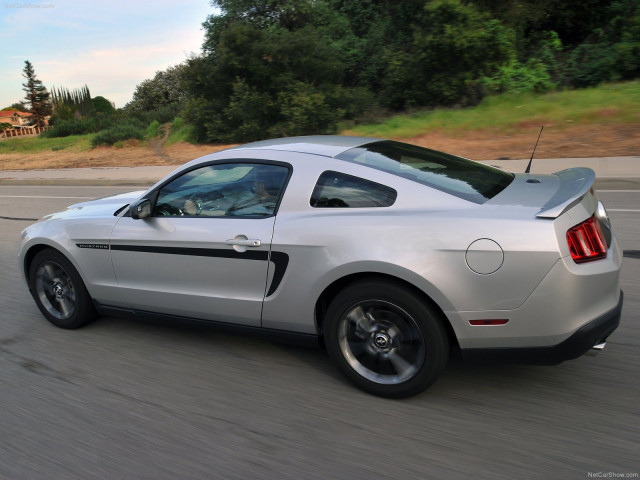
454 175
339 190
224 190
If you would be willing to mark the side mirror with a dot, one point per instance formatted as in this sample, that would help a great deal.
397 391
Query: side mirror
141 209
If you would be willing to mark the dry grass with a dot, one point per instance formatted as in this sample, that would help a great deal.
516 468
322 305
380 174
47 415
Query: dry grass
580 141
131 155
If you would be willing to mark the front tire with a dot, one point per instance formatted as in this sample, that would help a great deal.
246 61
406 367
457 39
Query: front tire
385 339
59 291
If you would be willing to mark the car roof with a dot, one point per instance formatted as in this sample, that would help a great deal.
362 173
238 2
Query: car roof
325 145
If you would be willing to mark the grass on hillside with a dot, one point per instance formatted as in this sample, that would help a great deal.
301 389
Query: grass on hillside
606 104
74 143
180 132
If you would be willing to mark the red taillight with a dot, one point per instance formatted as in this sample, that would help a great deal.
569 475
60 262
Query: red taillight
586 241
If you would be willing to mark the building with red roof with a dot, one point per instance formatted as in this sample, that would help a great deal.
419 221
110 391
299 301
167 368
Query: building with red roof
16 118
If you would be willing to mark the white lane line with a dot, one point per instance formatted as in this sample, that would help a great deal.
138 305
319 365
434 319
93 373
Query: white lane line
39 196
618 191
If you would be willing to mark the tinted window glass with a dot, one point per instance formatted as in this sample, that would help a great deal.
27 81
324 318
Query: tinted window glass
224 190
338 190
454 175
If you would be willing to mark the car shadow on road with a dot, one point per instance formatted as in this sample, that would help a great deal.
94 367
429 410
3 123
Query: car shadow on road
479 381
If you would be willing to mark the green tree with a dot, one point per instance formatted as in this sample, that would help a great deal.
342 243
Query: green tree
19 106
165 88
599 39
454 45
37 96
68 104
375 31
288 67
270 68
102 105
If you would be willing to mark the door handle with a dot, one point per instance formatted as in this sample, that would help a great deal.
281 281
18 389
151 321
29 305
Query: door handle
244 242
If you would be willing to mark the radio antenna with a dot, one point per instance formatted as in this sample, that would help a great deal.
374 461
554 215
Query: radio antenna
534 151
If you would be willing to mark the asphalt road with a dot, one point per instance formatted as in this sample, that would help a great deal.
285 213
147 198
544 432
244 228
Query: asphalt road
128 400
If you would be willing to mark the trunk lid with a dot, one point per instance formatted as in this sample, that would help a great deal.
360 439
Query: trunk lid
552 194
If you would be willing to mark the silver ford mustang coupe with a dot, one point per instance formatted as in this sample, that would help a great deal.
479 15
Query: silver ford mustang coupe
387 254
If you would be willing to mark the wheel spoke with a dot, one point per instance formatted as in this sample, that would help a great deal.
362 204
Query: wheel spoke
69 297
66 306
364 322
402 367
48 268
394 331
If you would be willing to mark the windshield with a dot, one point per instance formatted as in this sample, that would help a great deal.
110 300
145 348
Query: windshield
454 175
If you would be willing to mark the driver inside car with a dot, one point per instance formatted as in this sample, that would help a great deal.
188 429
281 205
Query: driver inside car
246 202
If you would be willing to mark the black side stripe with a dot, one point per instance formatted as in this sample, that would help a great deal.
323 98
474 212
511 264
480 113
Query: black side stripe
196 252
280 259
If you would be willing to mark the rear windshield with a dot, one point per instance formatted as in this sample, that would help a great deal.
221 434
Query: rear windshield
454 175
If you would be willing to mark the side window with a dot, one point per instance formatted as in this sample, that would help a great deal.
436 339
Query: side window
339 190
224 190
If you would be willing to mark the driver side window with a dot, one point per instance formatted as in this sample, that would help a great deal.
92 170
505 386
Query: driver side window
224 190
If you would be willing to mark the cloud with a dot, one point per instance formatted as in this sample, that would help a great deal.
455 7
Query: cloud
111 46
114 72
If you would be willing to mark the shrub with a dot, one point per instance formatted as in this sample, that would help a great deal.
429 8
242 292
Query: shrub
102 105
161 115
592 64
516 77
118 133
180 132
153 130
79 126
304 110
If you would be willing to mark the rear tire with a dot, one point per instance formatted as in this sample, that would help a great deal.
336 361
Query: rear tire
385 339
59 291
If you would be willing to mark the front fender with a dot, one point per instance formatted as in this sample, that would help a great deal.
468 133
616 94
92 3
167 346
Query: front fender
85 244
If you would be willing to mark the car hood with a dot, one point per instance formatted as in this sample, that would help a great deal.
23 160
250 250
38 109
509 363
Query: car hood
100 207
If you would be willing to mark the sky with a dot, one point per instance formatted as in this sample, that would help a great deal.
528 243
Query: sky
109 45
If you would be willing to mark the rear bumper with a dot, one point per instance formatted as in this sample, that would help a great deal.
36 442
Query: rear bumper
576 345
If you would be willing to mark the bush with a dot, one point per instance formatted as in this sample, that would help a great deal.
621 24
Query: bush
80 126
180 132
457 45
592 64
153 130
102 105
161 115
103 121
246 117
304 111
126 131
516 77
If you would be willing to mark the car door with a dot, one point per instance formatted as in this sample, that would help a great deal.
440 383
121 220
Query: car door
204 250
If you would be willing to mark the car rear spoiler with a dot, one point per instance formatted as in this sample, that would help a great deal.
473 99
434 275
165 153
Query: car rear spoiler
575 183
